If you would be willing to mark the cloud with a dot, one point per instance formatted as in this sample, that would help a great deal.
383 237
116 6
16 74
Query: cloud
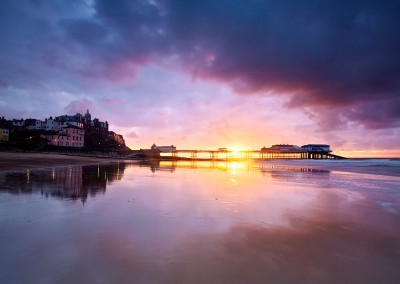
132 134
86 32
376 115
336 61
79 106
111 101
323 54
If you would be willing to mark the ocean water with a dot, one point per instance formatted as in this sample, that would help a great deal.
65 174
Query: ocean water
202 222
389 167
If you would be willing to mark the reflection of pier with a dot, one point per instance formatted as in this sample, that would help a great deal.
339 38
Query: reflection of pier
233 166
246 154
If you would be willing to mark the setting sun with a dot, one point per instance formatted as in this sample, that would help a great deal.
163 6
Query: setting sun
235 150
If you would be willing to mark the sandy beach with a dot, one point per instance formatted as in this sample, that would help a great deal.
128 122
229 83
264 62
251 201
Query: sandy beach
13 161
210 223
183 222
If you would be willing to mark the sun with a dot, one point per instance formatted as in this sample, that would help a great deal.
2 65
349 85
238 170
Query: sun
234 151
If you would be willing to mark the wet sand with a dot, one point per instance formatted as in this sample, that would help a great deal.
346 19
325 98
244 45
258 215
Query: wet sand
14 161
198 223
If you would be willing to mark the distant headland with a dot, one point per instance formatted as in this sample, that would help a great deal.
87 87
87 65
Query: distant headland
65 132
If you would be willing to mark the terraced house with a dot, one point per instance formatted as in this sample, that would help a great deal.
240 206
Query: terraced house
68 136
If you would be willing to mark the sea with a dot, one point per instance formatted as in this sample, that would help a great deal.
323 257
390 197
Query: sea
277 221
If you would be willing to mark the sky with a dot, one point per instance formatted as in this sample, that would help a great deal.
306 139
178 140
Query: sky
204 74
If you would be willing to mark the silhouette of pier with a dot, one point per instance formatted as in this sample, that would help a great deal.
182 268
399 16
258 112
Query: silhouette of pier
277 151
245 154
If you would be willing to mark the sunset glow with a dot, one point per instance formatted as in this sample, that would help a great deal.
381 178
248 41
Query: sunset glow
234 151
234 166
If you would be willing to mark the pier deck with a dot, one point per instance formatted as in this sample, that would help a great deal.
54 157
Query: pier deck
246 154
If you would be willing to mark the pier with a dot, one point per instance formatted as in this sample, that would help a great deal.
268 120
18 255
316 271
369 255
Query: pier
245 154
278 151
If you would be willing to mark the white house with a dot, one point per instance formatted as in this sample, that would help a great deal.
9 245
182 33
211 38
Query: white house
51 125
39 125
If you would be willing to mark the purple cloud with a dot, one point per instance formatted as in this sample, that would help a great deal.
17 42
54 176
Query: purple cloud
323 54
78 106
132 134
337 62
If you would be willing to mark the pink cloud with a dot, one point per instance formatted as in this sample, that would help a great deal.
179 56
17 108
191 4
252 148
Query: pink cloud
132 134
111 101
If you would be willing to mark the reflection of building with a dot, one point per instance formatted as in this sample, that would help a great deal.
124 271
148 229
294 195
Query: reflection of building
75 182
155 165
67 182
163 148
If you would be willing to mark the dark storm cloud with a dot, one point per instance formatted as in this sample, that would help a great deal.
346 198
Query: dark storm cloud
135 28
327 54
376 115
323 54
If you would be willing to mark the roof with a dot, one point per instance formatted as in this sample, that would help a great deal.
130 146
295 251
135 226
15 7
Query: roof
72 126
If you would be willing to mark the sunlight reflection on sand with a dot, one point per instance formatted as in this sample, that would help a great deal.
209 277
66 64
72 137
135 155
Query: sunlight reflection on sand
198 223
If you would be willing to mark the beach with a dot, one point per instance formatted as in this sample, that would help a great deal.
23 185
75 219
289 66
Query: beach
13 161
197 222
